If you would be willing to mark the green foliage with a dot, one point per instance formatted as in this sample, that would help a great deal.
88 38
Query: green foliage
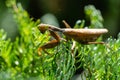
95 16
20 60
100 61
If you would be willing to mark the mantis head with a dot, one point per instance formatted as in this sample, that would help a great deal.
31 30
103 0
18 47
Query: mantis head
42 28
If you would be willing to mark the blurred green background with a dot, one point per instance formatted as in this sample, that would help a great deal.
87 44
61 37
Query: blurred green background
54 11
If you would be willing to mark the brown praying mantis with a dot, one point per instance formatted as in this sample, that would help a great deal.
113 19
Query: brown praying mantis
83 36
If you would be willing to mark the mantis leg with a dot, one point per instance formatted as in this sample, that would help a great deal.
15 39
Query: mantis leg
55 35
50 44
95 43
66 24
107 45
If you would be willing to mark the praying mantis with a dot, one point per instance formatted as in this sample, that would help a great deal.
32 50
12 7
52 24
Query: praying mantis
83 36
